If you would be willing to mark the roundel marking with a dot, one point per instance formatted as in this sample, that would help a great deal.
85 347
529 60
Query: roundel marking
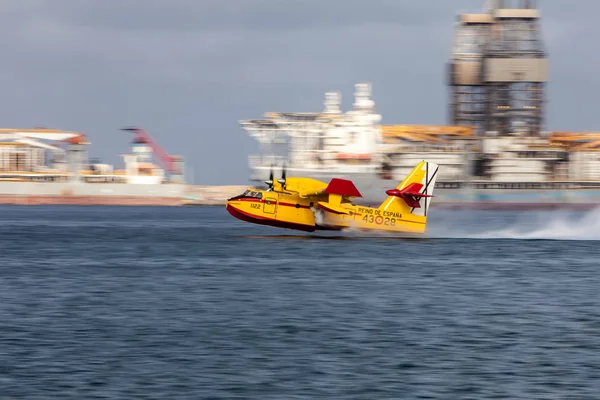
379 220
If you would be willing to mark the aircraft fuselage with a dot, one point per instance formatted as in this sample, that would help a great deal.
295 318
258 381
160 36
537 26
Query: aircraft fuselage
310 214
274 209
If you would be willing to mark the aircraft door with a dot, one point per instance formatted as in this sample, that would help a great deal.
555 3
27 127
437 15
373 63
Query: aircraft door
270 205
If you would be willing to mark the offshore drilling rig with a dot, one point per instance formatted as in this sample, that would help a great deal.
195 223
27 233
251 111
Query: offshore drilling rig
499 70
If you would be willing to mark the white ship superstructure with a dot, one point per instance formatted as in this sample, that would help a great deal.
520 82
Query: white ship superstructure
352 144
513 169
324 141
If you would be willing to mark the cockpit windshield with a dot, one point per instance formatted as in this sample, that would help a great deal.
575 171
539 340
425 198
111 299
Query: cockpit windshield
252 193
248 194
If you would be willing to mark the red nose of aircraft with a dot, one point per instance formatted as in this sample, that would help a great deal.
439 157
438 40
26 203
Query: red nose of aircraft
231 207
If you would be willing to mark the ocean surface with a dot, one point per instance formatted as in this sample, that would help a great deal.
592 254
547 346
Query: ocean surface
189 303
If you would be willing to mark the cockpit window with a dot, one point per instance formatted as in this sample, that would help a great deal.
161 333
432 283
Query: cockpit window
249 193
252 193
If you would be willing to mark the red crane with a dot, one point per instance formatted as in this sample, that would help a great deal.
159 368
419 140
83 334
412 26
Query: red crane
168 161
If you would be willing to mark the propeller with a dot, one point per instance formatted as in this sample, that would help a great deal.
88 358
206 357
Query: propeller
280 181
270 181
283 175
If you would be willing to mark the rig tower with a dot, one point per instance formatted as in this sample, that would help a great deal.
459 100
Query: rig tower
499 70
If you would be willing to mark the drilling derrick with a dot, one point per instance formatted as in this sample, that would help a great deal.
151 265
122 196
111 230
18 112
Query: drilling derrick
498 70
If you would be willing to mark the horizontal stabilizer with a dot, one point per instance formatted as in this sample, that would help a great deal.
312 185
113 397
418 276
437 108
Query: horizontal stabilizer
342 187
333 208
410 194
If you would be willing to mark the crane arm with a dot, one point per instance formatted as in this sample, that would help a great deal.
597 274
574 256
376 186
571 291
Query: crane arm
166 159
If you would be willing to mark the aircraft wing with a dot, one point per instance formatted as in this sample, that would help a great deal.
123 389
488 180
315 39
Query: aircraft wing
310 192
306 187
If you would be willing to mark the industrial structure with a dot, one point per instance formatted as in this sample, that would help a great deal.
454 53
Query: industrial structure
496 153
499 70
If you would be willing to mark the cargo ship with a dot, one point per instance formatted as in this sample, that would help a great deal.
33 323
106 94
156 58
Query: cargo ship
48 166
493 154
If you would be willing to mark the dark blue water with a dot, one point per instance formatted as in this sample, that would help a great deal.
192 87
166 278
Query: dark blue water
188 303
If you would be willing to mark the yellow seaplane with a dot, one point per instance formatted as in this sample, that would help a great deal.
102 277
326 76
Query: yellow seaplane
308 204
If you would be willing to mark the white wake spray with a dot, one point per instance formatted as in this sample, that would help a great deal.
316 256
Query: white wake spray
556 225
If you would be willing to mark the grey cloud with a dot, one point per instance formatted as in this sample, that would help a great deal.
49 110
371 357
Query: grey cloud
226 15
189 70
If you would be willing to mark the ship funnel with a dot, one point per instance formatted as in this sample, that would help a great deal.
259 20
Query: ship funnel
362 97
332 102
492 5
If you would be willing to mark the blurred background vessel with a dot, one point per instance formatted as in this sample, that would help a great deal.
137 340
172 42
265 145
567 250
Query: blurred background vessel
494 153
46 166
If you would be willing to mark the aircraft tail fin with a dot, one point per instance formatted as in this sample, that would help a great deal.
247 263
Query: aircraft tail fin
412 197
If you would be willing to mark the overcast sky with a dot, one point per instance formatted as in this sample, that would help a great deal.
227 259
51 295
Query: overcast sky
189 70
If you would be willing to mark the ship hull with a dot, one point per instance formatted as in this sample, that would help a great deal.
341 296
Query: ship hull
373 189
89 200
90 193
